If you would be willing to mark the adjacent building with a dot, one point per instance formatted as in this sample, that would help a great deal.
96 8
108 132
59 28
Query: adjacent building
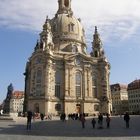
119 99
60 75
134 97
16 102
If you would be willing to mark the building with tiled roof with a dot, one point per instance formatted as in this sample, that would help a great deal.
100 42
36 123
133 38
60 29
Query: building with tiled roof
16 102
134 96
119 98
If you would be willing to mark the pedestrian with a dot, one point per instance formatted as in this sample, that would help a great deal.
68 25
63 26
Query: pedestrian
108 120
100 121
82 119
127 119
42 116
63 117
93 122
29 119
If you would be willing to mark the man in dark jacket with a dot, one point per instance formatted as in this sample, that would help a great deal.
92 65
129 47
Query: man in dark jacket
127 119
29 118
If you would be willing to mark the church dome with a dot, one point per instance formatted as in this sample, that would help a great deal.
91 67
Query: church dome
67 27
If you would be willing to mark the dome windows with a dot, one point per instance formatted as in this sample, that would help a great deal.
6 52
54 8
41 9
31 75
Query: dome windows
71 27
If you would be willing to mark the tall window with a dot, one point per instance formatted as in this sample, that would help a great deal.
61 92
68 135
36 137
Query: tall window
71 27
94 87
78 80
39 76
58 79
38 82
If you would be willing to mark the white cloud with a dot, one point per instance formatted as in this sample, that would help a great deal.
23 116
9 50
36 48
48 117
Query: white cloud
117 18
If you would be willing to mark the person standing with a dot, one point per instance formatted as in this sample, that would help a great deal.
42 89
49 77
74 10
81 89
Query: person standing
93 122
29 119
100 121
127 119
42 116
108 121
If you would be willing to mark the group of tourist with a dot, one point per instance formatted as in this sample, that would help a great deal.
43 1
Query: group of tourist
108 120
81 117
93 121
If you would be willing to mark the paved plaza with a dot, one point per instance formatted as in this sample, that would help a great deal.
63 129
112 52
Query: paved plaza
69 130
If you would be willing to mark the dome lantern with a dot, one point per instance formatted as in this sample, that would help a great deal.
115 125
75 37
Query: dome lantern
64 7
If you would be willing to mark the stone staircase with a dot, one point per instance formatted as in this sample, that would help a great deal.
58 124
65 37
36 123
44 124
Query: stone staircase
6 117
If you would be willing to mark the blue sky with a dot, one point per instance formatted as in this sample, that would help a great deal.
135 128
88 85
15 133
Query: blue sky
118 24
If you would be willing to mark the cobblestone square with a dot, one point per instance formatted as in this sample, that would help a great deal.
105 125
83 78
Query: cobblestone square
69 130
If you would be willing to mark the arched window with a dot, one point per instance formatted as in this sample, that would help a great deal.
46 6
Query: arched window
78 81
58 82
39 76
38 82
71 27
94 86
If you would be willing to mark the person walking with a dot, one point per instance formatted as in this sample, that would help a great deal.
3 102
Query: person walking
93 122
127 119
108 120
82 118
29 119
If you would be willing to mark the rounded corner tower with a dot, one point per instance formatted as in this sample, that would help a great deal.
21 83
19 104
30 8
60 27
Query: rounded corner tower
60 76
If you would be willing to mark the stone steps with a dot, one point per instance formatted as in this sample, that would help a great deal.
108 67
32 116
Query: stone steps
6 117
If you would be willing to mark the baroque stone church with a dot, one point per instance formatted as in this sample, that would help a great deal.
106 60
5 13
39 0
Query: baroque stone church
60 76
